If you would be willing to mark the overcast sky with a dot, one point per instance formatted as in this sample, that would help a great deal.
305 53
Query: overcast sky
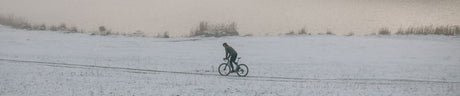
252 16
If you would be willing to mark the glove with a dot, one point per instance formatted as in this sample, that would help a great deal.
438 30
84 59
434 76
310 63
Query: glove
225 58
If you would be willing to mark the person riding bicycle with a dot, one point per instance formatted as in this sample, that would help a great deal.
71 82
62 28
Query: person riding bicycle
230 52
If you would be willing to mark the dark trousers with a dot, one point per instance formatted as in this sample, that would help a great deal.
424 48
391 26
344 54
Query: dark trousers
232 60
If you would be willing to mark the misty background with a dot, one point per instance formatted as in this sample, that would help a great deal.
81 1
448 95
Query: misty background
258 17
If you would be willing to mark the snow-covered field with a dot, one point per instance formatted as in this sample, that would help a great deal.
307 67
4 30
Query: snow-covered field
41 63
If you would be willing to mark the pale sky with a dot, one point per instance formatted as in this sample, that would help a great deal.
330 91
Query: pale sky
257 17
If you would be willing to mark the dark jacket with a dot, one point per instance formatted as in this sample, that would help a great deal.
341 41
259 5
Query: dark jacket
229 51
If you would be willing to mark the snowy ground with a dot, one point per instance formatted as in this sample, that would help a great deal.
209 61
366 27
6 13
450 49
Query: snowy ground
41 63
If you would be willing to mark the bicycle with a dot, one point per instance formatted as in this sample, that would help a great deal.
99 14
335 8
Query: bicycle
224 68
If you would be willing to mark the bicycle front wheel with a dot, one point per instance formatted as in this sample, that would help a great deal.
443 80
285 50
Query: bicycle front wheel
223 69
243 71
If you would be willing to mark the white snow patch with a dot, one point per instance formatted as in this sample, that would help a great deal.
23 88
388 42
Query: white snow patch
284 65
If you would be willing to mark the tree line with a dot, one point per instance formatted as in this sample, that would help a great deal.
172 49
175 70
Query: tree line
204 29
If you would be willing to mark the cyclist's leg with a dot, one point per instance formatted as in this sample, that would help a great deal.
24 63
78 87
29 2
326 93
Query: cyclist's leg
230 64
232 59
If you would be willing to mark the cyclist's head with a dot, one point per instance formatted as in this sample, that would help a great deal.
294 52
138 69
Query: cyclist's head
225 44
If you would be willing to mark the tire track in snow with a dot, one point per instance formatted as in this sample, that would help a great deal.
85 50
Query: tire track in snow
69 65
259 78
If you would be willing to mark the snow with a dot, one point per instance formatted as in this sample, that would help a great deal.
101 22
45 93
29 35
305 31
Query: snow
42 63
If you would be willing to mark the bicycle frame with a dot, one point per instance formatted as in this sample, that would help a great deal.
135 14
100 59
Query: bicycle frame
237 61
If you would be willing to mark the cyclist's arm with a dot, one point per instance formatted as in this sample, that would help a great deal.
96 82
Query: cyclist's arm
226 53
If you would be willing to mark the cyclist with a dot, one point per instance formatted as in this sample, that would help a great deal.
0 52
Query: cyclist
230 52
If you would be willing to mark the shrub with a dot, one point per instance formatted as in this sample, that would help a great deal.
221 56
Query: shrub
457 30
62 27
73 29
302 32
102 29
290 33
248 35
400 32
329 32
42 27
166 35
350 34
53 28
384 31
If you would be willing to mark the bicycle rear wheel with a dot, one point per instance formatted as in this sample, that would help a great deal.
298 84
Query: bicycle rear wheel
223 69
243 71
